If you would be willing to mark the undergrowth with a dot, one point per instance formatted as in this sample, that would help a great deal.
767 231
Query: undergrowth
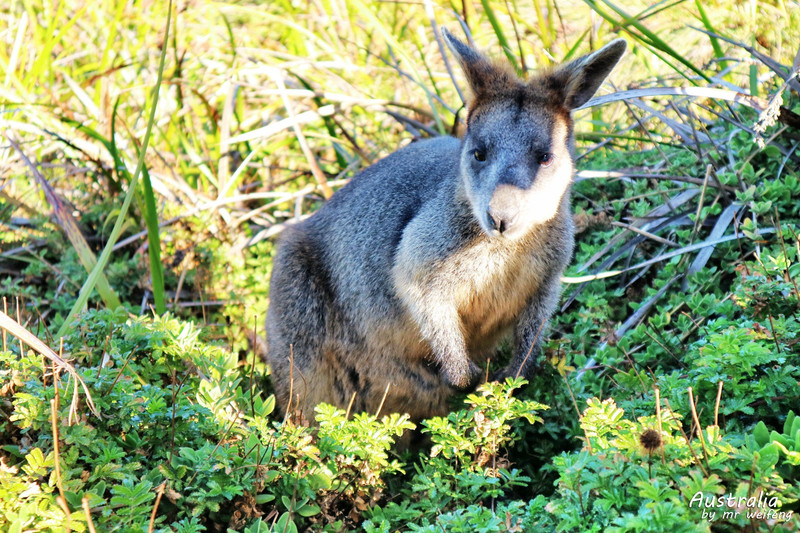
671 373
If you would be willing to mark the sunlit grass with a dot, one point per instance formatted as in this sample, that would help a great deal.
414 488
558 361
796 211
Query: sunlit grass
260 102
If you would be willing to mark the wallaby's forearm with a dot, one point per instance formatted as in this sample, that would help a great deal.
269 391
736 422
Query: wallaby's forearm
531 329
430 302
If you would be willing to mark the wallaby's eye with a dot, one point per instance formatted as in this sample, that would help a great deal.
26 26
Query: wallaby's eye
479 155
546 159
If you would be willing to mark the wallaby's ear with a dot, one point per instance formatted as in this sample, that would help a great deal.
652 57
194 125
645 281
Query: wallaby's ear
482 75
582 77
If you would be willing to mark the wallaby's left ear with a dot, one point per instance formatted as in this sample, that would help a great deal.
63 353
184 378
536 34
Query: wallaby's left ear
482 75
582 77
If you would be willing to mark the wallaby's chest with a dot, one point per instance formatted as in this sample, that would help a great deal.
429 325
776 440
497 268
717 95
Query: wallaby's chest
491 287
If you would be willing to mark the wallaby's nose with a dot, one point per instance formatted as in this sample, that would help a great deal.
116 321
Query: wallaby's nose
496 221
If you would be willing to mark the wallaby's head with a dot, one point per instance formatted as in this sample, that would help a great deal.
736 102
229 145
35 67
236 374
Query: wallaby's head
517 153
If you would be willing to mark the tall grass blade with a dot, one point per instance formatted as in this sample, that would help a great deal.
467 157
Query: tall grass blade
773 65
109 145
723 221
544 32
646 37
45 57
718 53
153 244
12 60
388 35
16 329
96 273
65 219
759 104
664 257
498 31
574 49
652 218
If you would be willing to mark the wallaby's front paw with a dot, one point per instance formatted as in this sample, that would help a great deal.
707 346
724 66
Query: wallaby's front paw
462 375
501 375
508 372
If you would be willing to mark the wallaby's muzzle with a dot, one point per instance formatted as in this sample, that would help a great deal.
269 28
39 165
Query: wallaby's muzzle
504 210
497 222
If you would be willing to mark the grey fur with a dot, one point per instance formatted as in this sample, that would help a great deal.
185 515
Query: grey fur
411 274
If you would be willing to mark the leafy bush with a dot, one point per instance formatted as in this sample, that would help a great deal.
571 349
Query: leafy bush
466 470
645 476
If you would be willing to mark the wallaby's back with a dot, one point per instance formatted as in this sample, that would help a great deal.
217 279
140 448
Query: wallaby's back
399 287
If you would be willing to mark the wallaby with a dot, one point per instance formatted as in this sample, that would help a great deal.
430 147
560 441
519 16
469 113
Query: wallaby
396 291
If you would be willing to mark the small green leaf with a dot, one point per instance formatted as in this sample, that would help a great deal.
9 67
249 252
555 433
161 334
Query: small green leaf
320 480
792 424
264 498
73 499
308 510
768 456
287 502
285 524
777 437
761 433
268 406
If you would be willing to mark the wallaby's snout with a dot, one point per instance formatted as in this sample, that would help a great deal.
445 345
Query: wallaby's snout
499 218
504 210
505 192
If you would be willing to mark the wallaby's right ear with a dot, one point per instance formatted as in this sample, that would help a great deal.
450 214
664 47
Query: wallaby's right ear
581 78
482 75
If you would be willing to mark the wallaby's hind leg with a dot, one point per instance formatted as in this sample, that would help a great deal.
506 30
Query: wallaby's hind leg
296 326
413 388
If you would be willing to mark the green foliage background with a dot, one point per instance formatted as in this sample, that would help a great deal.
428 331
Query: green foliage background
671 369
